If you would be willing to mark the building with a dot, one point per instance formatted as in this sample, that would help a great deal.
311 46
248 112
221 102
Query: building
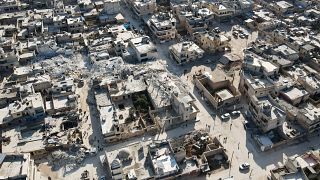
282 7
143 7
173 104
294 95
286 52
163 161
311 83
184 105
17 166
221 11
8 60
185 52
75 25
309 118
212 42
144 49
266 112
7 6
28 109
258 65
221 94
255 86
304 167
195 24
163 26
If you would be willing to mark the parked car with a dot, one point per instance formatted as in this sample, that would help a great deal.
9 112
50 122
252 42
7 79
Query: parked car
217 30
225 116
244 166
235 113
245 124
235 34
242 36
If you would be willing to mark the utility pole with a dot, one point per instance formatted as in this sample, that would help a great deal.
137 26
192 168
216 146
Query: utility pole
250 173
231 163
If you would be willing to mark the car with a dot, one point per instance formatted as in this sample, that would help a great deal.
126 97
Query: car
225 116
235 34
217 30
244 166
242 36
235 113
245 124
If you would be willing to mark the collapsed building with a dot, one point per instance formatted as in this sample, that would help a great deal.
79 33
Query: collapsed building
189 155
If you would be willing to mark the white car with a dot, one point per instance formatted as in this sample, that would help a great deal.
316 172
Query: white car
225 116
244 166
235 113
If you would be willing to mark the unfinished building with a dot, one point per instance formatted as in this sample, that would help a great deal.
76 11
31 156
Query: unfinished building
124 111
220 94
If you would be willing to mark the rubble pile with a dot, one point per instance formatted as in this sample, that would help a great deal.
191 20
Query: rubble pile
70 160
60 65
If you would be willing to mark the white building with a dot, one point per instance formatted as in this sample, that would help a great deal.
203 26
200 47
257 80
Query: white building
212 42
258 65
266 113
185 52
29 108
163 26
144 49
143 7
309 118
8 60
75 25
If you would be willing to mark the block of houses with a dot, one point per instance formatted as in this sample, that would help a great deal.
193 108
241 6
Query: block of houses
124 107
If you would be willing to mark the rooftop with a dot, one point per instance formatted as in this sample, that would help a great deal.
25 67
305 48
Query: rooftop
295 93
224 94
311 112
187 46
270 109
14 165
143 44
258 82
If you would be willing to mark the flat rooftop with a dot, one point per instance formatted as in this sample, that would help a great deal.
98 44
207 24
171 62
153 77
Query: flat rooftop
270 109
224 94
295 93
138 152
14 165
311 112
258 82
